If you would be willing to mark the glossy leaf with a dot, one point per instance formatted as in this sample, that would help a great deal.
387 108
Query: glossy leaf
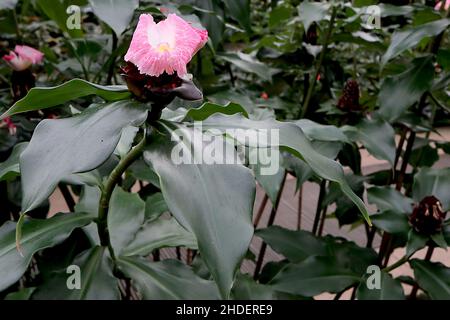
159 234
433 182
294 245
168 280
57 11
314 276
126 141
310 12
155 206
291 138
97 280
211 200
62 147
208 109
390 289
36 235
432 277
115 13
317 131
391 222
245 288
377 136
125 217
401 91
271 183
416 241
407 39
387 198
249 64
240 11
23 294
10 168
41 97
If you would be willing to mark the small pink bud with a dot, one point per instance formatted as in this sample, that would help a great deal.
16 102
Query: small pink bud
23 57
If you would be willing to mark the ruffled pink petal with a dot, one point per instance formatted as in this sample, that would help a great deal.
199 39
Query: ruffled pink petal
29 53
438 6
167 46
16 62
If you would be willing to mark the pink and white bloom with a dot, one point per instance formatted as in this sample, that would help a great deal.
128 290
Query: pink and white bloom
23 57
440 3
166 46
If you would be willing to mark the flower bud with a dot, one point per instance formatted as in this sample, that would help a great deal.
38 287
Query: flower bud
427 217
160 90
349 101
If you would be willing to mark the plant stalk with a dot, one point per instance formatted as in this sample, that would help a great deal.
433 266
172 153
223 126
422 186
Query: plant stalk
319 63
113 180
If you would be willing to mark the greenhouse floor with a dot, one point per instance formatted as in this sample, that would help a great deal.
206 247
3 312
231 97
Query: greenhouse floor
287 217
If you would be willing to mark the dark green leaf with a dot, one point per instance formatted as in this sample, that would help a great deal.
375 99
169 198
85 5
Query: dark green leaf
377 136
271 183
56 10
317 131
10 168
97 280
294 245
159 234
314 276
249 64
400 91
433 182
293 139
407 39
23 294
168 280
155 206
389 199
211 200
416 241
62 147
240 11
125 217
432 277
392 222
390 289
279 14
208 109
41 98
36 235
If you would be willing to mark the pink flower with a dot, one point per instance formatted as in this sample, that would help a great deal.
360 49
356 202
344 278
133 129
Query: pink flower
10 125
440 3
166 46
23 57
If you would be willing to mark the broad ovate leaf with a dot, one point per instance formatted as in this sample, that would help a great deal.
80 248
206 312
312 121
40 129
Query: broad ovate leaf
214 201
62 147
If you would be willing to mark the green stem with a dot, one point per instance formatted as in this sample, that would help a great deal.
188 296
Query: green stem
16 21
319 63
397 264
115 42
113 180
